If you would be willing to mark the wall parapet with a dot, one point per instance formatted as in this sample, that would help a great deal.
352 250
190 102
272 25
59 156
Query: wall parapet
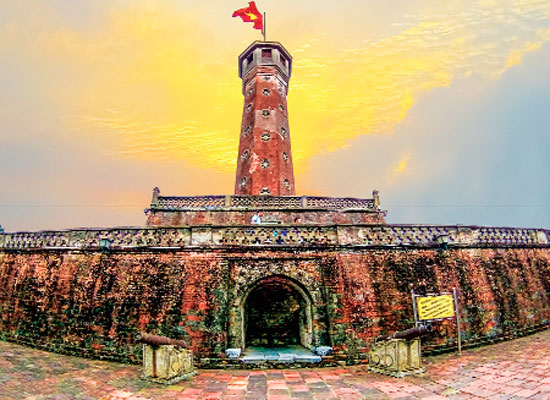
174 203
81 239
276 235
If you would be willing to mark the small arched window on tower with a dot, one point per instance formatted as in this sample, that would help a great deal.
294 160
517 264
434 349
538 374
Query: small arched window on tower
265 112
283 131
247 130
266 92
249 60
266 53
249 107
265 163
265 136
283 61
285 156
286 183
265 190
244 156
281 107
243 181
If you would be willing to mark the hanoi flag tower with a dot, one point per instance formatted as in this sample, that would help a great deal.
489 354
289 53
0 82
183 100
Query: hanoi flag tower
324 273
264 165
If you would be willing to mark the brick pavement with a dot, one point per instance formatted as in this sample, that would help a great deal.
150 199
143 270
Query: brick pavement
518 369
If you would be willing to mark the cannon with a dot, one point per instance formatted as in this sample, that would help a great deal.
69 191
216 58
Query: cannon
165 360
407 334
155 340
412 333
398 354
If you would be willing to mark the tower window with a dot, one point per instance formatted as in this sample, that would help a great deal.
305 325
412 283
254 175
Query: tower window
265 78
266 53
243 181
246 130
266 92
244 156
265 163
283 131
265 113
250 58
265 190
285 156
283 61
286 183
281 107
249 107
265 136
249 92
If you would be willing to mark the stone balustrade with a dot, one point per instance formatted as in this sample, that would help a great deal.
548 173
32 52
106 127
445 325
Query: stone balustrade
119 238
189 202
277 235
255 202
425 235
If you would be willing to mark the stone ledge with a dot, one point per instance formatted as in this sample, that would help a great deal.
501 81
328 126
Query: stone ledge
292 236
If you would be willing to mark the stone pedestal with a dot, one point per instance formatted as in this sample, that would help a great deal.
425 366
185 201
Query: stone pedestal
167 364
233 354
396 357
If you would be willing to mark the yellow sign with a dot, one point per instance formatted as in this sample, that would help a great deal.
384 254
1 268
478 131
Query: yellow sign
435 307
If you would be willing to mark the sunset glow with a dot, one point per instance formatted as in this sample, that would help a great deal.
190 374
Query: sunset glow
152 87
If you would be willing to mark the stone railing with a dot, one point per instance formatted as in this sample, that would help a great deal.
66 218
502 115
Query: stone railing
267 202
275 235
121 238
338 202
422 235
174 202
253 202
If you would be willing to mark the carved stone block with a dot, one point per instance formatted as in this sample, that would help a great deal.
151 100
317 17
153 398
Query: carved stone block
396 357
233 353
167 364
323 351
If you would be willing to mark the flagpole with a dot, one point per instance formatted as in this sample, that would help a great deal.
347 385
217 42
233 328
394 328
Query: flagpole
264 27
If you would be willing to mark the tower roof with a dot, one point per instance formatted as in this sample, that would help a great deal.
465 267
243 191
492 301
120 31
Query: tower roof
267 44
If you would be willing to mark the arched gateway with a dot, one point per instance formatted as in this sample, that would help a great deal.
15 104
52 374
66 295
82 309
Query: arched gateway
274 316
277 311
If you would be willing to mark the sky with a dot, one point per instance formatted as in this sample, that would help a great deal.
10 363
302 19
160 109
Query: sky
444 107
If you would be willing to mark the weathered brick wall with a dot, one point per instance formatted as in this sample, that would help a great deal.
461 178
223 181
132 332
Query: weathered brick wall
238 209
502 292
88 303
243 217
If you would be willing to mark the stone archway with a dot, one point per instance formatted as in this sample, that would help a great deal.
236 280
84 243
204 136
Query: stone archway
276 311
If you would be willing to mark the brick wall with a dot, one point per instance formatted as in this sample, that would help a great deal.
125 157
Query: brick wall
502 292
239 217
88 303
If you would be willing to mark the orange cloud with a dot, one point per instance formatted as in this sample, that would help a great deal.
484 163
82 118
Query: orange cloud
155 82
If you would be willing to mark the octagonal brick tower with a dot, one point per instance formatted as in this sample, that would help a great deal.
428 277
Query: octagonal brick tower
264 165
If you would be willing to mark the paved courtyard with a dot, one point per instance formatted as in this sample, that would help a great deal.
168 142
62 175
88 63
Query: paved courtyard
519 369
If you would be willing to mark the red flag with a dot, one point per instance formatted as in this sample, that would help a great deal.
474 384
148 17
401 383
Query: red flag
251 14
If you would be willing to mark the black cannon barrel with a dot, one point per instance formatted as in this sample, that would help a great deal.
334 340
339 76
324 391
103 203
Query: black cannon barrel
155 340
411 333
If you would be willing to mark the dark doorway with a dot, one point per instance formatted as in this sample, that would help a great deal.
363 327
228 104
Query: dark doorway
276 315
